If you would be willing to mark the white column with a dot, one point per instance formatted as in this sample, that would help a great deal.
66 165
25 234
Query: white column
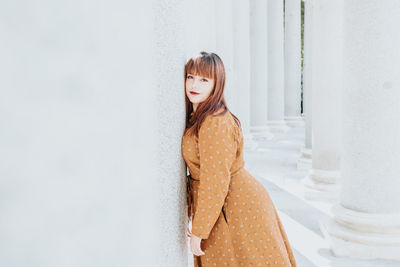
241 63
276 91
224 42
292 46
259 68
322 180
304 162
366 223
86 119
201 32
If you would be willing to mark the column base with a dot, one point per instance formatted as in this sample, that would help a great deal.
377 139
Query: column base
322 185
362 235
278 126
261 133
304 163
248 142
294 121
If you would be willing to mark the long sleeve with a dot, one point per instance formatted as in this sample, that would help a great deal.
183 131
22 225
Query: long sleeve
217 149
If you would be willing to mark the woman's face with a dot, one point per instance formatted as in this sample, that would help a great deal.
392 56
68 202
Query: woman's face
198 88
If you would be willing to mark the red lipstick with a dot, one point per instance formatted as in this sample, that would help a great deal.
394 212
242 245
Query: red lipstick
194 93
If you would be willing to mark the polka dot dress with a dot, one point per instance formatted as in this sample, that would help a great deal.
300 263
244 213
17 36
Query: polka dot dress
232 212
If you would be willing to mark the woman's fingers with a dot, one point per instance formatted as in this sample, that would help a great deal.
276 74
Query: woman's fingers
195 246
198 252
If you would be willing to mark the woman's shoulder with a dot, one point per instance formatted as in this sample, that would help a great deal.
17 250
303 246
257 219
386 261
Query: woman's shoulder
217 117
218 122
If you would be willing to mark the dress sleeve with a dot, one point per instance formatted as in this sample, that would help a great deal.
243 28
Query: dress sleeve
217 149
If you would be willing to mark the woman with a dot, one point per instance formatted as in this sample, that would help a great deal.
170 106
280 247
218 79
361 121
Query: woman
234 222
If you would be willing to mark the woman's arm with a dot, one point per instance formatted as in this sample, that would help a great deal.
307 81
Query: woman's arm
217 148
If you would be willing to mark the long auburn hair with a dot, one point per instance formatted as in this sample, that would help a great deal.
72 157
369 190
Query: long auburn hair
207 65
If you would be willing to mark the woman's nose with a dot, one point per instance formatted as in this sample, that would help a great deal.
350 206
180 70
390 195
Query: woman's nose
195 83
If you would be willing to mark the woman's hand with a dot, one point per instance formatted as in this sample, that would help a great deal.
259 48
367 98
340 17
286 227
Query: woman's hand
194 242
195 245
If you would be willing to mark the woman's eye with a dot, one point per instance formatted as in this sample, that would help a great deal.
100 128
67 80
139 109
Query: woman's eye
189 77
204 80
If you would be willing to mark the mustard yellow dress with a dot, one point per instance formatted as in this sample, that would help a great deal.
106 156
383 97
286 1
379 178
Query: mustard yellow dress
232 212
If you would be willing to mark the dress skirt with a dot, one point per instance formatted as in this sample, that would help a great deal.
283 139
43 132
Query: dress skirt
248 231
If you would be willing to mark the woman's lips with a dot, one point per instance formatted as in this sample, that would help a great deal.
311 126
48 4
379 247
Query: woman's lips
194 93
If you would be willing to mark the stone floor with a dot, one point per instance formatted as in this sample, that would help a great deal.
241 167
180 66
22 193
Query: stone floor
274 163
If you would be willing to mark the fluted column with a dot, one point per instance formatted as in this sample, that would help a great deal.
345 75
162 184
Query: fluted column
322 181
276 101
292 47
241 64
304 162
259 68
366 222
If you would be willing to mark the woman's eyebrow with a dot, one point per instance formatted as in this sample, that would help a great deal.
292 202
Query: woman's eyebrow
199 76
